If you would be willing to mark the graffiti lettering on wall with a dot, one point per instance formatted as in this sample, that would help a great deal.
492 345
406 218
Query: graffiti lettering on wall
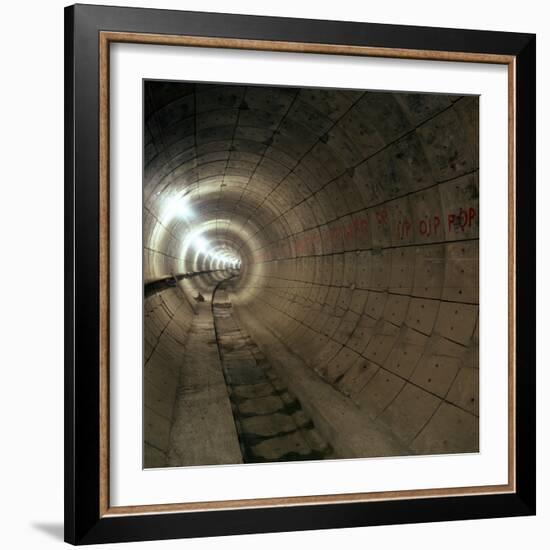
401 229
463 219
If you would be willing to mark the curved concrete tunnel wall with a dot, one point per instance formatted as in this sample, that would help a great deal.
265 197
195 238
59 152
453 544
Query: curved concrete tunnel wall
355 218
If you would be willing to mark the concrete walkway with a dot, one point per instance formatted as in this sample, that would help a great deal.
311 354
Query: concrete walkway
203 431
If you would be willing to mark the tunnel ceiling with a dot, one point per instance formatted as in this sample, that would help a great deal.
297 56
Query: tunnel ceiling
353 216
266 173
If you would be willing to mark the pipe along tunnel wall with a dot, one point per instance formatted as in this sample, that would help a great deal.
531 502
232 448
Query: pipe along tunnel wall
347 223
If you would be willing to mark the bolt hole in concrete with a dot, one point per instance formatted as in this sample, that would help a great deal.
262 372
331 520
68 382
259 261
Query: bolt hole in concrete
308 253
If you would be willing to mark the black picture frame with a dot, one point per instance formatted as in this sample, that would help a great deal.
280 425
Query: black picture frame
84 523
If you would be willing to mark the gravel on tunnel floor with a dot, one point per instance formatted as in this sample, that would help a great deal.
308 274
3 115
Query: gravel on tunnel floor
271 424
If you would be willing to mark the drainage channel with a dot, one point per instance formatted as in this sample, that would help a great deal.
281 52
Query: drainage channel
270 422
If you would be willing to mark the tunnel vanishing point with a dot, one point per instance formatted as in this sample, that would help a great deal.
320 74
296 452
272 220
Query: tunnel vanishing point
310 274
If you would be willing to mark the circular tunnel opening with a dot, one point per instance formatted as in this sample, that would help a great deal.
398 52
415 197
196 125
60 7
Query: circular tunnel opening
311 274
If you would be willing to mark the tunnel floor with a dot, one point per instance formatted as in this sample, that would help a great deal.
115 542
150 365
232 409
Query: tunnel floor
237 397
232 406
271 424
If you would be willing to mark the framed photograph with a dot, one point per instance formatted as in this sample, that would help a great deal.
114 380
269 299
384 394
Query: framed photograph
300 274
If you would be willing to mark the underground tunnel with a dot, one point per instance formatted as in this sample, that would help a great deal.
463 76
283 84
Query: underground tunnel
310 274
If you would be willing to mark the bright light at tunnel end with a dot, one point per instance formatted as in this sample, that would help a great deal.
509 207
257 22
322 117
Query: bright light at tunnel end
220 259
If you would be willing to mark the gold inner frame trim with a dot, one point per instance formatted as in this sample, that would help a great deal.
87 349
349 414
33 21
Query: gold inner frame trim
105 39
